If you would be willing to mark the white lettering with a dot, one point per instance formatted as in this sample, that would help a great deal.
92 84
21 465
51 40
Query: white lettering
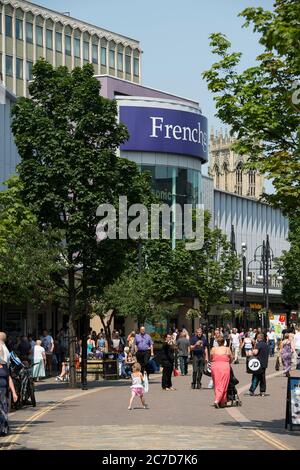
177 130
194 139
185 130
155 126
168 127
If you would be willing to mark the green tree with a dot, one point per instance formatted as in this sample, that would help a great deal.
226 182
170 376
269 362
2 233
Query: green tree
67 136
29 257
289 266
261 103
212 269
136 295
168 276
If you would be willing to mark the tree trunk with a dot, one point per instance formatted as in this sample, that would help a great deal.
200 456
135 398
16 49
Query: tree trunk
84 333
106 325
72 329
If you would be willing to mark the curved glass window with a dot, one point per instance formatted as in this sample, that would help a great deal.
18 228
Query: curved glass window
175 185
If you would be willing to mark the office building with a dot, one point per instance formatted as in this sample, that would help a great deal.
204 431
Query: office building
29 32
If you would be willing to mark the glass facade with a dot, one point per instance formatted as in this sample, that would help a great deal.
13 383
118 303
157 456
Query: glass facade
175 185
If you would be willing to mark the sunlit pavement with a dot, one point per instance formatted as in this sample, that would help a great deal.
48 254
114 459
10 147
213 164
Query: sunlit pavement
182 419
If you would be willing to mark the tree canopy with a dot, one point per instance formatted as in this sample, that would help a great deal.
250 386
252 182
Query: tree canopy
261 103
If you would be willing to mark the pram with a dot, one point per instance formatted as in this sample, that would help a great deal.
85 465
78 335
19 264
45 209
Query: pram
232 394
23 381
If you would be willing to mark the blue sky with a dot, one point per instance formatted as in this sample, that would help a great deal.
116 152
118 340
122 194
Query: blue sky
173 35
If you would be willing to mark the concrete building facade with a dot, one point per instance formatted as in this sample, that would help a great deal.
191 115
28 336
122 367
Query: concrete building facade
29 31
9 156
227 168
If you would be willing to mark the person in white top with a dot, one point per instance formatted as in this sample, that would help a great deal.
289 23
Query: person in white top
248 343
235 344
297 346
39 361
271 341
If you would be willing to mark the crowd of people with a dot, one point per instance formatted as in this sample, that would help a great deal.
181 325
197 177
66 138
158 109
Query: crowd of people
137 359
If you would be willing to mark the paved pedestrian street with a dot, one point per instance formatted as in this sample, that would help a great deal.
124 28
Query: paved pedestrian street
179 420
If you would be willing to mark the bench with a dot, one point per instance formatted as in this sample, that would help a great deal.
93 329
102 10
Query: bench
99 368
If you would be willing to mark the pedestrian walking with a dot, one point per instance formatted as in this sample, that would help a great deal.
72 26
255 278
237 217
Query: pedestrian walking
184 349
286 352
236 344
261 352
220 371
39 361
24 349
130 341
247 344
297 346
271 341
200 354
137 388
167 363
48 345
143 348
6 384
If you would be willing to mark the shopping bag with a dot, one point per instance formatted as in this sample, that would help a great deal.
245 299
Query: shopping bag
207 369
146 383
277 365
254 366
176 372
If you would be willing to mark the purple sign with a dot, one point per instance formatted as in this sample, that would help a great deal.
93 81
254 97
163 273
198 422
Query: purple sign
165 130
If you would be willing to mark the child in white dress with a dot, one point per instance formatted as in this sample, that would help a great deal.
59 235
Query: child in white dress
137 388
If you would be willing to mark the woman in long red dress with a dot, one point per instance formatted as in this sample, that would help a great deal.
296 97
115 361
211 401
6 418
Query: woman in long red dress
220 371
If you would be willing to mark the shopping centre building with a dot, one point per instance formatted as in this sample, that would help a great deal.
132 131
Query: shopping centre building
168 138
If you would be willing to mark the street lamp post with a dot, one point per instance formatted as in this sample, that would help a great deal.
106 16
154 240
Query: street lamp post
266 258
233 251
244 249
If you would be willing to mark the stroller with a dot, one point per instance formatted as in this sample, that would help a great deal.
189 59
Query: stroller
232 394
23 382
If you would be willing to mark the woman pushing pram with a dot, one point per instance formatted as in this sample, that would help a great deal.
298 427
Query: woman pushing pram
223 377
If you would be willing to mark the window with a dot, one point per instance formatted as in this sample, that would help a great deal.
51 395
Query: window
49 39
39 36
19 68
239 179
19 29
112 58
29 66
86 50
76 47
217 174
9 65
225 169
58 41
120 61
136 67
103 56
128 63
29 32
68 45
251 182
95 54
8 26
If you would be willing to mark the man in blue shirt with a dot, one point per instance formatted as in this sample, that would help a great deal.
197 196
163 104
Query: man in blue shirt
143 348
200 355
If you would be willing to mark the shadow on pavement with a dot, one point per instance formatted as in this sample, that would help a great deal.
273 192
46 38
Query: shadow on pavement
275 426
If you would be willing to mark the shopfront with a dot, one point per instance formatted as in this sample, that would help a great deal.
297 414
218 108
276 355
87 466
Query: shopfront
169 140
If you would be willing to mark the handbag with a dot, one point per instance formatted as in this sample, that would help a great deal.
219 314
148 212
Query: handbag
176 372
207 369
254 366
145 383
